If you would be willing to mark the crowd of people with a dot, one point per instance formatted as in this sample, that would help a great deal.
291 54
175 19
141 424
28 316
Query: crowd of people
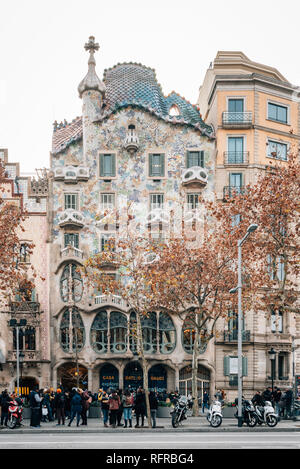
119 407
282 401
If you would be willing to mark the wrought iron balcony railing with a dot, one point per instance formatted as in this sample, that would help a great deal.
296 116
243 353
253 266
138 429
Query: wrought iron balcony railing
236 157
232 336
237 119
231 191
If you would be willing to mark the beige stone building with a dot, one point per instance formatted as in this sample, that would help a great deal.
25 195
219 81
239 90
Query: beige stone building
255 112
30 194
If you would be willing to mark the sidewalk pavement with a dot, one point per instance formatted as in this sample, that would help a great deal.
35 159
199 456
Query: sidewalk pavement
192 424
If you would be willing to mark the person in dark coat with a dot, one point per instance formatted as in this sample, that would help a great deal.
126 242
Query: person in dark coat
85 402
120 411
140 407
257 399
35 406
288 397
267 394
153 402
59 404
76 407
4 402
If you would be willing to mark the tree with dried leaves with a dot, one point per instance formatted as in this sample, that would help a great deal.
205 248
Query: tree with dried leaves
12 270
119 269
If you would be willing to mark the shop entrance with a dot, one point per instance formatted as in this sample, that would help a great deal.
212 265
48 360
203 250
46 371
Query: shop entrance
133 376
69 377
185 381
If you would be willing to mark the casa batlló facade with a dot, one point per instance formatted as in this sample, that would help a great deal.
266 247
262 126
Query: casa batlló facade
135 147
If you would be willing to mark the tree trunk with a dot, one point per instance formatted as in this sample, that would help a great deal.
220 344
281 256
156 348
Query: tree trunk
195 375
144 366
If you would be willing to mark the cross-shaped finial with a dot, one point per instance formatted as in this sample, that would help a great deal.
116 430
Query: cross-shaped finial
91 46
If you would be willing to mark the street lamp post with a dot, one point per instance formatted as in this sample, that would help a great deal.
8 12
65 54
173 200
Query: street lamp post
272 355
14 323
240 242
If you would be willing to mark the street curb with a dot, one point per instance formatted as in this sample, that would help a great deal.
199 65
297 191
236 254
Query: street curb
152 430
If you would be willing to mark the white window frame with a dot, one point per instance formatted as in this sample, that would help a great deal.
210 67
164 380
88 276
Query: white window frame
76 195
270 139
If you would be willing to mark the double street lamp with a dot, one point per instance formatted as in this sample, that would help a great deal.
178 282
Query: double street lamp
17 325
238 289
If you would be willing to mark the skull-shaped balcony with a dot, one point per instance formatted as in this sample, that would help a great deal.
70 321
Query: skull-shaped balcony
71 174
70 217
131 143
196 176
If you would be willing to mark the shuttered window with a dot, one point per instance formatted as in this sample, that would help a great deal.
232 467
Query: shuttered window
195 158
107 165
156 165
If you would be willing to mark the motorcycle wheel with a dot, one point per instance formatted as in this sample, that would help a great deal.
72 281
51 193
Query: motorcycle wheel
272 420
216 421
251 421
208 417
12 422
175 422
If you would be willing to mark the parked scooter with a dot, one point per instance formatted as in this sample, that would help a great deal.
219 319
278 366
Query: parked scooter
214 415
266 414
180 411
248 412
15 410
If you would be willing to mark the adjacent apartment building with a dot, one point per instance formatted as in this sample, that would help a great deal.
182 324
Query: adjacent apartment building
255 113
28 307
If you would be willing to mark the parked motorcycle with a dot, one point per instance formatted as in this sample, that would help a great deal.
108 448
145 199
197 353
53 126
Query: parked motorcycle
248 413
179 413
15 410
266 414
214 415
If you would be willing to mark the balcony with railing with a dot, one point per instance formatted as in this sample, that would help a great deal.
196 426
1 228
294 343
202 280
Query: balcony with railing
71 251
240 120
232 191
110 300
28 356
236 158
232 336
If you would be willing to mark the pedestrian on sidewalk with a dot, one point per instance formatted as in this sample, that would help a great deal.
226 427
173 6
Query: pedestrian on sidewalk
120 411
4 402
127 401
35 407
105 407
114 404
86 399
205 401
153 407
76 407
59 404
140 407
276 399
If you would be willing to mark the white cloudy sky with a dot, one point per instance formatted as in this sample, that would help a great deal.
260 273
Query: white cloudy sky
42 56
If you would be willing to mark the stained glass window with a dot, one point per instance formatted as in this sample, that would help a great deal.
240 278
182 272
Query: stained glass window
99 332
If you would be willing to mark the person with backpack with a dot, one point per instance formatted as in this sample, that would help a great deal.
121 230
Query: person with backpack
59 404
86 401
127 401
114 404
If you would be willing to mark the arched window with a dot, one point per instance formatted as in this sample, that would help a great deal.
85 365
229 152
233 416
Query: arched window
167 334
188 336
72 330
149 331
99 331
118 332
75 280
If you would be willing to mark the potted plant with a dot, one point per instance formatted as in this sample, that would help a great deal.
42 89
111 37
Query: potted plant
94 409
164 409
